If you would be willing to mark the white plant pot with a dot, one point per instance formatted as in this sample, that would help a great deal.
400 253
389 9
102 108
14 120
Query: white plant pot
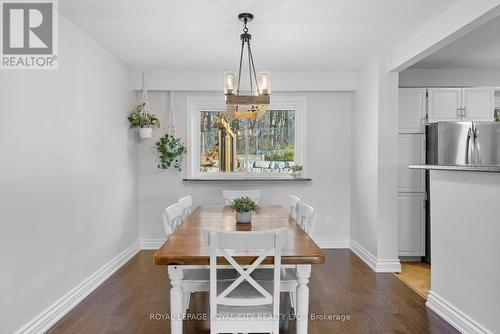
146 133
243 217
297 175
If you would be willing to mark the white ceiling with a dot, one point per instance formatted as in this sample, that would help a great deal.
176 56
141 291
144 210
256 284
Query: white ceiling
287 34
478 49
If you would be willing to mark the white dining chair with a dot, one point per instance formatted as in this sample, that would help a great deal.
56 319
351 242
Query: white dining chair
305 217
186 205
196 279
245 305
174 216
230 195
293 204
166 224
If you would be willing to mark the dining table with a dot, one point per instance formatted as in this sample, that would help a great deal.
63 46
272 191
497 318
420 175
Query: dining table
187 249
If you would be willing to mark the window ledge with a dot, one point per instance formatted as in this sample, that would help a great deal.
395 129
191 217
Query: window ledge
239 179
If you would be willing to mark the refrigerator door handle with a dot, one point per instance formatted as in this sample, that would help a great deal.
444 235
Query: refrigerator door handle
469 159
477 148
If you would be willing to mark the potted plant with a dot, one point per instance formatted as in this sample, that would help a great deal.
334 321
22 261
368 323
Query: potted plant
243 206
170 151
297 170
144 121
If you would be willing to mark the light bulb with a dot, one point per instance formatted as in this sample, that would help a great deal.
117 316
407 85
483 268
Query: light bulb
264 80
229 83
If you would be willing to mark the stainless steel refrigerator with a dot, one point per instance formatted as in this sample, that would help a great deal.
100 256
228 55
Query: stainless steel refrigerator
459 143
463 143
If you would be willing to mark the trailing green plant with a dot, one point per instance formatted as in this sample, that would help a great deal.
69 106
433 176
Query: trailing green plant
296 168
170 151
140 119
244 204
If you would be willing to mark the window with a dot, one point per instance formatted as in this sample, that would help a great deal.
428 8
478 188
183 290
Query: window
266 147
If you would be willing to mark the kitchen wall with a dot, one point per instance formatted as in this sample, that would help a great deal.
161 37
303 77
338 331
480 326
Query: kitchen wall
68 181
464 241
328 163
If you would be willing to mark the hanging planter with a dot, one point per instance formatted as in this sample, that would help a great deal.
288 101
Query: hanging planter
170 151
144 121
141 117
146 133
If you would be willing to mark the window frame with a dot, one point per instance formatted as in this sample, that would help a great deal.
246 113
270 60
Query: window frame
196 104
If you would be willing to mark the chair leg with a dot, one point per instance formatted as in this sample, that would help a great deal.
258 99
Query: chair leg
292 299
187 298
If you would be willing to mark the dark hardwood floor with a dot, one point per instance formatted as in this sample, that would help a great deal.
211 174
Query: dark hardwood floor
135 299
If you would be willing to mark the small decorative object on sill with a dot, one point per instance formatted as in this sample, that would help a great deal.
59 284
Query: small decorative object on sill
143 120
243 206
141 117
170 151
497 114
297 171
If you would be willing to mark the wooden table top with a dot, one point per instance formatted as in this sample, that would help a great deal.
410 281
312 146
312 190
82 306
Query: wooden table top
188 247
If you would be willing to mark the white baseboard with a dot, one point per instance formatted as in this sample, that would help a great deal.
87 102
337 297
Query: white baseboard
42 322
151 244
454 316
377 265
333 243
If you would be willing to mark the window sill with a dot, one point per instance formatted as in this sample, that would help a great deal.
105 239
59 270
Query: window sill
240 179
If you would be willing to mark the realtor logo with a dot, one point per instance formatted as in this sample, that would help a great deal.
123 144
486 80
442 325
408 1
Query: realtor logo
29 34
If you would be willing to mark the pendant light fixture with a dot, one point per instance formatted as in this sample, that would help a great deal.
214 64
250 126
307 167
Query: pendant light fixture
252 104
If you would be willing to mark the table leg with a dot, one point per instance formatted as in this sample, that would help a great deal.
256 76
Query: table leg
176 300
302 303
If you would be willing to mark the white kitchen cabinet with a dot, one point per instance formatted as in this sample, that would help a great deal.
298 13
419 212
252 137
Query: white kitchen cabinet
443 104
412 110
411 224
479 103
411 151
455 104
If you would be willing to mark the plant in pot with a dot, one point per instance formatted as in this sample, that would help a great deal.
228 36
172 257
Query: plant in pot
297 170
170 151
144 121
243 206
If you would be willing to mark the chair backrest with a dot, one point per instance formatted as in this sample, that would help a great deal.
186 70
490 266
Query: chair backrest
166 224
293 205
230 195
268 242
305 217
186 204
174 216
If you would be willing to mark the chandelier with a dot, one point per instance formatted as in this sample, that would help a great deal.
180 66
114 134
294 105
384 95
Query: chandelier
252 104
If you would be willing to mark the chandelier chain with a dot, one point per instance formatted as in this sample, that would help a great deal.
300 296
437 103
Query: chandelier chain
241 63
250 68
250 56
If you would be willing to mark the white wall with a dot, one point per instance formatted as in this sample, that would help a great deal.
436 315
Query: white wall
68 175
364 171
449 77
388 163
328 153
464 240
183 80
374 207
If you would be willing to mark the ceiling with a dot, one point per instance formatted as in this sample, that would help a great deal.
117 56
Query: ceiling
478 49
287 34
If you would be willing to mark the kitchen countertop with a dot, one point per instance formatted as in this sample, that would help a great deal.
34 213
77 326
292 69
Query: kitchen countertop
465 168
